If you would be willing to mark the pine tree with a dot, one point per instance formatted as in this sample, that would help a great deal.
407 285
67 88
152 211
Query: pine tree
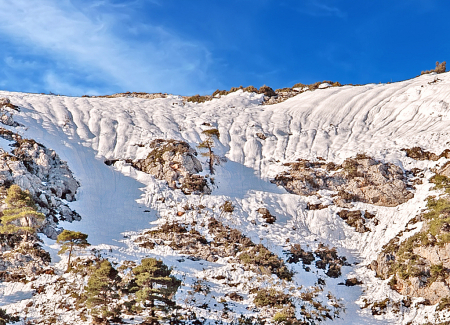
102 290
71 240
21 215
208 144
156 287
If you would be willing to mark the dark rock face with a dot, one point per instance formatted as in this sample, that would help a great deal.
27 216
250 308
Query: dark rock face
360 179
175 162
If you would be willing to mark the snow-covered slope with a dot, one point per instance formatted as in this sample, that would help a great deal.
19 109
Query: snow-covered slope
334 123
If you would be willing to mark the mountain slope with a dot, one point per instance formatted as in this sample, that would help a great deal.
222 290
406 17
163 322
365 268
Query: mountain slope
333 124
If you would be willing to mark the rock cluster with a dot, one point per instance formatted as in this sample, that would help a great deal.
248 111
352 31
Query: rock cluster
357 219
327 259
418 153
175 162
6 112
40 171
361 179
282 95
227 243
20 259
420 280
445 170
420 265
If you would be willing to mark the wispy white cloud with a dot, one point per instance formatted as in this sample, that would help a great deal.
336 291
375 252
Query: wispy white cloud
60 31
321 8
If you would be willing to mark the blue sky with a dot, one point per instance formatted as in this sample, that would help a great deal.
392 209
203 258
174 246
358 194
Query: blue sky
77 47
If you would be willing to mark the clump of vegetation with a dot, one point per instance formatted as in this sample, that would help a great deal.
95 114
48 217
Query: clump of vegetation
266 261
271 297
235 296
167 227
441 182
198 99
267 91
379 307
226 207
297 254
329 260
440 68
437 273
444 304
6 318
193 184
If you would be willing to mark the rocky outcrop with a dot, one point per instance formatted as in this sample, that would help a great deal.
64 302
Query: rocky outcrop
20 259
445 170
418 153
361 179
6 112
40 171
358 219
422 278
420 265
227 243
175 162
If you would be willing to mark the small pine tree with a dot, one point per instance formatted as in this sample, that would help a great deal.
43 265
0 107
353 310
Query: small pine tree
155 287
102 290
71 240
21 215
208 144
